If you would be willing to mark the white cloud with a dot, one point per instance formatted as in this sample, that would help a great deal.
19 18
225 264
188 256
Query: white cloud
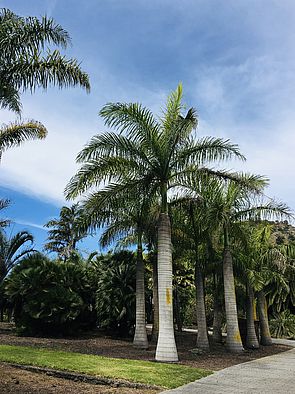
43 168
30 224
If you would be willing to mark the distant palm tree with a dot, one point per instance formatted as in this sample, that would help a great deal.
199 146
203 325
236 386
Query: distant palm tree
232 204
27 62
4 203
156 155
65 232
12 250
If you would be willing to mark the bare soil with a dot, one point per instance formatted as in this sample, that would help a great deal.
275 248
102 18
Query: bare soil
100 344
17 381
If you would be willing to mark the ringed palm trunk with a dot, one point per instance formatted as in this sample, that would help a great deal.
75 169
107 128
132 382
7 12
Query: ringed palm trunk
177 309
166 346
252 341
140 337
202 338
233 341
155 331
265 338
217 319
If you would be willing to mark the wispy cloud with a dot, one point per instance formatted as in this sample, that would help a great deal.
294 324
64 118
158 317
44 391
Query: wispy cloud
30 224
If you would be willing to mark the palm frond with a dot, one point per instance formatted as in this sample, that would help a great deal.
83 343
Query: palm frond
29 72
134 120
16 133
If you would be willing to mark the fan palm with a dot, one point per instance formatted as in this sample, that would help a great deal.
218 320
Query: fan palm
157 155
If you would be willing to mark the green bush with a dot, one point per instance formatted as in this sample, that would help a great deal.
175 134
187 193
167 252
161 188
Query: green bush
49 297
115 295
283 325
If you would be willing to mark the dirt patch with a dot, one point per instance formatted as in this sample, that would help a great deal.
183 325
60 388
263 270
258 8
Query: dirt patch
17 381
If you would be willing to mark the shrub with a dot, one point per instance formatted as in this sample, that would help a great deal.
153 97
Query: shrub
115 296
283 325
48 297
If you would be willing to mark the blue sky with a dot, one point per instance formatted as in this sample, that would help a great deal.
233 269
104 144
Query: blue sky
236 62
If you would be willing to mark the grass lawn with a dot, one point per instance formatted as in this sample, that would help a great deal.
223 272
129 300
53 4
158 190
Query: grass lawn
159 374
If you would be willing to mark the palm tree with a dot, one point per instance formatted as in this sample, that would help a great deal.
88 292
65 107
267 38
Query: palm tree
12 250
126 218
4 203
269 273
233 204
158 155
190 230
26 60
65 233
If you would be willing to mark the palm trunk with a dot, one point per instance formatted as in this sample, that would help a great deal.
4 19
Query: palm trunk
202 338
166 346
155 331
177 309
265 338
217 319
140 337
233 341
252 341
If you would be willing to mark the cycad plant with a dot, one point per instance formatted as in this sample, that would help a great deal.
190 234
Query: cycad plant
155 156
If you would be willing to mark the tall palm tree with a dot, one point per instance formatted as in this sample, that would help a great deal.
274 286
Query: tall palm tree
65 232
12 250
26 60
123 219
190 230
234 203
157 154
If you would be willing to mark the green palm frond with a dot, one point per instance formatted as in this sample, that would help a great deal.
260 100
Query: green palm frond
29 33
172 110
27 62
267 211
94 172
118 229
30 72
134 120
9 97
117 145
206 150
16 133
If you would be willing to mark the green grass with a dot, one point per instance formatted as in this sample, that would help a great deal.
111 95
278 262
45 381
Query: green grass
159 374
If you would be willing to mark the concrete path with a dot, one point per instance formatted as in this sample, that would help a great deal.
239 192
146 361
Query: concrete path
267 375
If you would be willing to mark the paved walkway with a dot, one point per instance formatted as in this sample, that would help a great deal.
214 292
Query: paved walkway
267 375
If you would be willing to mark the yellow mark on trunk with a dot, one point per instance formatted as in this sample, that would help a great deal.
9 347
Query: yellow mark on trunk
168 296
237 337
